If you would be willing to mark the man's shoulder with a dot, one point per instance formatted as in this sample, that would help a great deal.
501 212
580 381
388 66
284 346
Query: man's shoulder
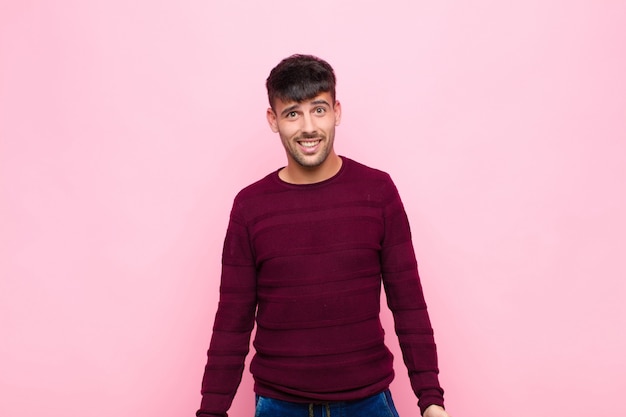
376 183
260 187
366 172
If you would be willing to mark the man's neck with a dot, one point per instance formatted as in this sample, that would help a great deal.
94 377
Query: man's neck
294 173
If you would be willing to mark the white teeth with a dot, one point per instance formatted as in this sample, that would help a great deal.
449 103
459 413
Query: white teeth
309 144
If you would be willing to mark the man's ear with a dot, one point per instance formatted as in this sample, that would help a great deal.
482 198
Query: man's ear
337 109
271 119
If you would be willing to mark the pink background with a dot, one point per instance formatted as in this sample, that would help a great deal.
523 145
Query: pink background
127 127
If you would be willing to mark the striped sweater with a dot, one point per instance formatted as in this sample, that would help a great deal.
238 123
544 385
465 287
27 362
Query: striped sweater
306 263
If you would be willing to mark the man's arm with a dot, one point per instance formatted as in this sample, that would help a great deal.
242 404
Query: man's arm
233 325
406 301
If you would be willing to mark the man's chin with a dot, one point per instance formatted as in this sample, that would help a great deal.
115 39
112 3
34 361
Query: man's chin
310 162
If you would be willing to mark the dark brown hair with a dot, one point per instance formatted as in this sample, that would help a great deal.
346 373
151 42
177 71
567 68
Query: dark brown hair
300 77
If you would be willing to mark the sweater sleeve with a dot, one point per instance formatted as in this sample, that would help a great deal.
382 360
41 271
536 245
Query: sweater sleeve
233 324
406 301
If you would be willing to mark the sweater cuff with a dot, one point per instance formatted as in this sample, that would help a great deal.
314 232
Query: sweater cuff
200 413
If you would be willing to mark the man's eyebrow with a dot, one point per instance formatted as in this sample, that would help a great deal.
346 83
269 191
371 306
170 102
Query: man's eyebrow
289 109
320 101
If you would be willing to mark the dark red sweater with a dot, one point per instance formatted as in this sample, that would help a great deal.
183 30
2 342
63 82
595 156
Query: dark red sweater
308 260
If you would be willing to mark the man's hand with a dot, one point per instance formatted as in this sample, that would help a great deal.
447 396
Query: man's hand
435 411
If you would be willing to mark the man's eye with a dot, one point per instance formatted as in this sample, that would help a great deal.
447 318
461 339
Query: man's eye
292 114
320 110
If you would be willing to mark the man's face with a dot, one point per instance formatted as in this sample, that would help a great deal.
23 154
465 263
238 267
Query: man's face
307 129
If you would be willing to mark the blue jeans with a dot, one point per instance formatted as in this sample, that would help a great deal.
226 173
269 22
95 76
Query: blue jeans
380 405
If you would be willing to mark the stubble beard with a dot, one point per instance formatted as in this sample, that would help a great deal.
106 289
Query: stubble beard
305 161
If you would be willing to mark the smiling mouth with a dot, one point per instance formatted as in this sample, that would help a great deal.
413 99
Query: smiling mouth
309 143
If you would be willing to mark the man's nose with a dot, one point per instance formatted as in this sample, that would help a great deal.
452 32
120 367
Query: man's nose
308 126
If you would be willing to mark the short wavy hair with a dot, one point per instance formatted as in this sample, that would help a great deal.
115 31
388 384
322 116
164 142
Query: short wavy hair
299 78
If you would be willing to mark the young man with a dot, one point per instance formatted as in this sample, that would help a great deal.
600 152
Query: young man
306 251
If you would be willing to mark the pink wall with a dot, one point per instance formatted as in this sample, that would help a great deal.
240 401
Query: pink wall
127 127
